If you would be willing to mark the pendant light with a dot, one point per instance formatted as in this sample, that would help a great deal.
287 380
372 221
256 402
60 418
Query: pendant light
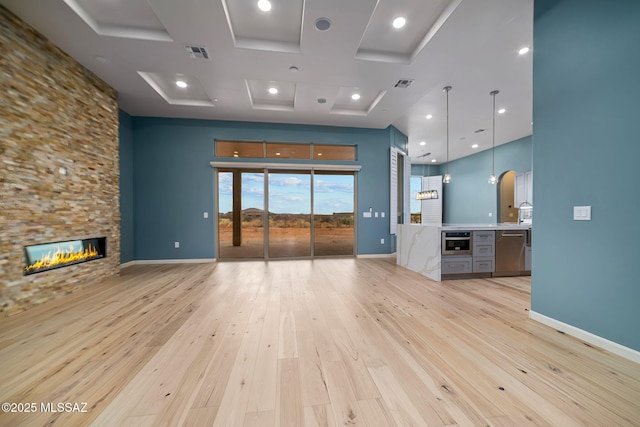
492 178
428 194
447 177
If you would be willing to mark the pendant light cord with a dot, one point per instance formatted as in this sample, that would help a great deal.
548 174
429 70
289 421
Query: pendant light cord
447 89
493 146
492 178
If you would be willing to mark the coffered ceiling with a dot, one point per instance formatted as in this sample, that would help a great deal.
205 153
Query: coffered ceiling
302 61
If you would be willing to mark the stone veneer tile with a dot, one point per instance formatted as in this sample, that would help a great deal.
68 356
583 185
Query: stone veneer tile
54 114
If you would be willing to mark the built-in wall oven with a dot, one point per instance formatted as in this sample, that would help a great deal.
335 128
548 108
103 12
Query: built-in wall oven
457 243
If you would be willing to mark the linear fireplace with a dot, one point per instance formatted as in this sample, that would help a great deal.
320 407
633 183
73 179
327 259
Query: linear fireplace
39 258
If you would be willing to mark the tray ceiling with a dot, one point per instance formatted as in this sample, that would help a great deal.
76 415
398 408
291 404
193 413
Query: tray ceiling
317 53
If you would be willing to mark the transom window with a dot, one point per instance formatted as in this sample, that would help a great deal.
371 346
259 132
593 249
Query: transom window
283 150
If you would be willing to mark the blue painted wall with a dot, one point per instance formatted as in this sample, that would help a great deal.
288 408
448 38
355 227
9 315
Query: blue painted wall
586 151
173 180
125 153
469 197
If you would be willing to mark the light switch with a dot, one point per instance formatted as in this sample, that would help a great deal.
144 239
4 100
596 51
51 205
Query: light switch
176 245
206 215
376 214
582 213
382 214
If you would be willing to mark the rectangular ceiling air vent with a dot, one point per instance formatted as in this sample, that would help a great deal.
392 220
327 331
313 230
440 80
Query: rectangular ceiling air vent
197 52
403 83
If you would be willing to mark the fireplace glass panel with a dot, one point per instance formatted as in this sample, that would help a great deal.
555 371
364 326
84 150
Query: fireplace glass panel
48 256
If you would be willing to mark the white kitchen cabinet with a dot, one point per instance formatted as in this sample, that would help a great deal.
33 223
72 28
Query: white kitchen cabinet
523 188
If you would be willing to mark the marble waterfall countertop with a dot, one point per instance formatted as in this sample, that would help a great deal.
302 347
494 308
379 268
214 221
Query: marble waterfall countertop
419 246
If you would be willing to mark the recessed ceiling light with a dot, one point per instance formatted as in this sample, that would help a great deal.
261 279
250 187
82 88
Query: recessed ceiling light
474 146
355 96
399 22
293 68
501 111
322 100
323 24
433 160
264 5
319 154
423 142
273 90
181 83
277 154
429 116
523 51
102 59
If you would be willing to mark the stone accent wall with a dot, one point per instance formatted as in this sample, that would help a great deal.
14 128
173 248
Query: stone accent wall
55 116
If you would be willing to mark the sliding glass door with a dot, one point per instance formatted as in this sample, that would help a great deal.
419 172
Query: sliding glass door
277 214
289 214
241 216
333 213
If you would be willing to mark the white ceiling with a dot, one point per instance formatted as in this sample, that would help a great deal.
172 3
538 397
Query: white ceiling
138 47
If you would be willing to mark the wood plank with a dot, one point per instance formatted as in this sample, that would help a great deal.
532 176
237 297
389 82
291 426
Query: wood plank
344 403
375 413
290 411
400 406
260 419
198 417
287 343
318 416
262 397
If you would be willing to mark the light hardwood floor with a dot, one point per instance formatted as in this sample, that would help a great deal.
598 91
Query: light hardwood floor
306 343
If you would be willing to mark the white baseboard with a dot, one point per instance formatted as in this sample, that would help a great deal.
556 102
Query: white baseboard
168 261
376 255
588 337
128 264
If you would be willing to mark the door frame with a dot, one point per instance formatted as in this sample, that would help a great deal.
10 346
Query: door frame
265 167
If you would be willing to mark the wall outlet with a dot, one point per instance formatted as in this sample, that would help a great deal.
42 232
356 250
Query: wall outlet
582 213
366 214
382 241
490 214
176 245
205 215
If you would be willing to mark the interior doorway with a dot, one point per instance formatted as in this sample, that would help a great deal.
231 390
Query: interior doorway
283 214
507 212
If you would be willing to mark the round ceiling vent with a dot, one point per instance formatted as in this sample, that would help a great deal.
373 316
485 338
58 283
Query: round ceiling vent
323 24
322 100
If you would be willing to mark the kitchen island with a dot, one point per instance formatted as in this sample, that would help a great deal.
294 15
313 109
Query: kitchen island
420 249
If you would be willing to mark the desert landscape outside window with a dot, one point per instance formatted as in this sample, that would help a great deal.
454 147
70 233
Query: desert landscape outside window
309 214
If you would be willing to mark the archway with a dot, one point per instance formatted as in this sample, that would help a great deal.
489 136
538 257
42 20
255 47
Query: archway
507 211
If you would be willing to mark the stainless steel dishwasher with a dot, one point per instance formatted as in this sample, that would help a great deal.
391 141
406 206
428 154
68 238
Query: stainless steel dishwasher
510 252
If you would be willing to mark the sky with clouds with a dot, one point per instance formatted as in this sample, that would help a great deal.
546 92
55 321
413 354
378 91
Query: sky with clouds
290 193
